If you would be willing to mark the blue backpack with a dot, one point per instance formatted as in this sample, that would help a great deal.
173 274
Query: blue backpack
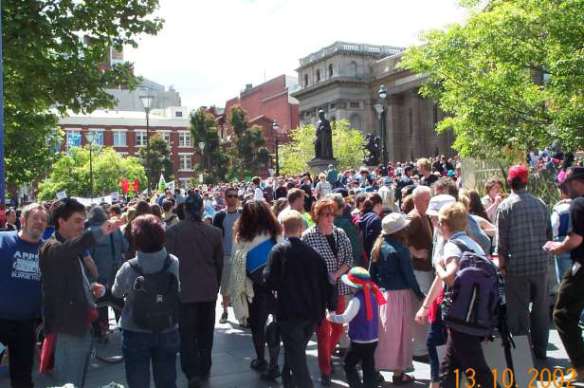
470 306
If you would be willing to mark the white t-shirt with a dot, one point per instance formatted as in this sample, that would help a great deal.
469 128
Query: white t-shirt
451 250
258 194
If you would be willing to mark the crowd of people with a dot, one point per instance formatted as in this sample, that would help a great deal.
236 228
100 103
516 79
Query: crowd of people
373 263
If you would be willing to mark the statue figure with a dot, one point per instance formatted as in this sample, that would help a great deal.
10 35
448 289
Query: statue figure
323 144
372 150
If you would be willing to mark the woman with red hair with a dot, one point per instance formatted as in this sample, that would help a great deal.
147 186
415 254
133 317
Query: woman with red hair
333 245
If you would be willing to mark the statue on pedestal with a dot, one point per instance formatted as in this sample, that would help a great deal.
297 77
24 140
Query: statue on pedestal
323 144
372 150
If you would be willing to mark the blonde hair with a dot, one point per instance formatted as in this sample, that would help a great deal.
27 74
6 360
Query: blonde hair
291 220
425 163
464 198
454 216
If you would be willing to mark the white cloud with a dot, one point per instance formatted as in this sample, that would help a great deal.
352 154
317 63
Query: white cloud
210 49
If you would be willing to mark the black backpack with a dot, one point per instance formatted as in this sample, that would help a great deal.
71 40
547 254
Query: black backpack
156 298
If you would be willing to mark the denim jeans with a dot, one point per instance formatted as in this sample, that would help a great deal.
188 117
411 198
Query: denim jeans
563 265
142 349
72 358
437 336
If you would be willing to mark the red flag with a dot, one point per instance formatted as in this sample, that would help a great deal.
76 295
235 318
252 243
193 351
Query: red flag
136 185
125 185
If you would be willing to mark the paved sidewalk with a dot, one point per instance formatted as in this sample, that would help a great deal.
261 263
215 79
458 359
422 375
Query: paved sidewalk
233 352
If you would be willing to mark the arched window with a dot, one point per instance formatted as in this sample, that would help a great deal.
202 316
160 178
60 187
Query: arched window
318 75
330 68
305 80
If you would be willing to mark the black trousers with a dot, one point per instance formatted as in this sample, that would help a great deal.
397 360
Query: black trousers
19 337
464 352
364 354
295 335
260 308
196 327
567 313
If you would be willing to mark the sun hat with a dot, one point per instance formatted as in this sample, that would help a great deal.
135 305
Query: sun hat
438 202
359 278
393 222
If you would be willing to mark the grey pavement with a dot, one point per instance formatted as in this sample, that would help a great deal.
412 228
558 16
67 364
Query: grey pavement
233 352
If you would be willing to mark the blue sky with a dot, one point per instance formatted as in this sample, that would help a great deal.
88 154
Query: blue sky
208 50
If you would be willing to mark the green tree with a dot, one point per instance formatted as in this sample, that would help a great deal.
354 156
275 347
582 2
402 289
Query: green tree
250 154
71 173
511 78
54 53
214 162
156 160
347 147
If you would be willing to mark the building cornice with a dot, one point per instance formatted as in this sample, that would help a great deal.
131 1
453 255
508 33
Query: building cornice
315 88
346 48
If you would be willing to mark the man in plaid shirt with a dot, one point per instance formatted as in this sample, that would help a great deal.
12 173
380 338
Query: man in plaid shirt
524 226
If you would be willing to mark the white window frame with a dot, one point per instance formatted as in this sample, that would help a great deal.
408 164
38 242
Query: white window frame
185 156
165 135
181 142
139 134
70 131
118 132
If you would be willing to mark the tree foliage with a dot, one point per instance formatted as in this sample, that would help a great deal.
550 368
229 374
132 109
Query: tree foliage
156 160
53 52
214 162
71 173
347 147
511 78
250 156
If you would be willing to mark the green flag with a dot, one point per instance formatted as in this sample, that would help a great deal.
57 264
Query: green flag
161 183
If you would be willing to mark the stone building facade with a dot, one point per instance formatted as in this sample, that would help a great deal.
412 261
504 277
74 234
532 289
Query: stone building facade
343 79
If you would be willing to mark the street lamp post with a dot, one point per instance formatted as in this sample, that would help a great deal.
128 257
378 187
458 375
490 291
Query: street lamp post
382 94
147 103
202 148
89 139
275 132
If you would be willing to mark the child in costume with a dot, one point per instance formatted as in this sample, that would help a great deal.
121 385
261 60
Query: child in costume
362 315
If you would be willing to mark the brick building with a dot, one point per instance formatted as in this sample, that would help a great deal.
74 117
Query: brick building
266 103
126 132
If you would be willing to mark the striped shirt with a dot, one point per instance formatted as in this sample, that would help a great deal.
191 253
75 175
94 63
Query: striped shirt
523 227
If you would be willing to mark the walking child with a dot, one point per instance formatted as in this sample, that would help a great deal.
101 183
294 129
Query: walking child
362 315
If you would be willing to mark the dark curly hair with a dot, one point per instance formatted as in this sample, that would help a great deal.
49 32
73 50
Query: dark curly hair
256 218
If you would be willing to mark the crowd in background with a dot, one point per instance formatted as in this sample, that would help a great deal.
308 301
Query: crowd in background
365 259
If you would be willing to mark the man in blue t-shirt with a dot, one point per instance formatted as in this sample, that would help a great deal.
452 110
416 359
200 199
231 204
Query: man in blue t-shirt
20 286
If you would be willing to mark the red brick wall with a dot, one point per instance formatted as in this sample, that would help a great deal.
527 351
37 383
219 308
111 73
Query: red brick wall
269 100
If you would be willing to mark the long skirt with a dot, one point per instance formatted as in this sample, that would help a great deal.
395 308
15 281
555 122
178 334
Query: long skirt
396 331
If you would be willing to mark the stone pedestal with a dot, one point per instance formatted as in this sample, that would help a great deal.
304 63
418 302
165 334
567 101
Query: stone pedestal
319 165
